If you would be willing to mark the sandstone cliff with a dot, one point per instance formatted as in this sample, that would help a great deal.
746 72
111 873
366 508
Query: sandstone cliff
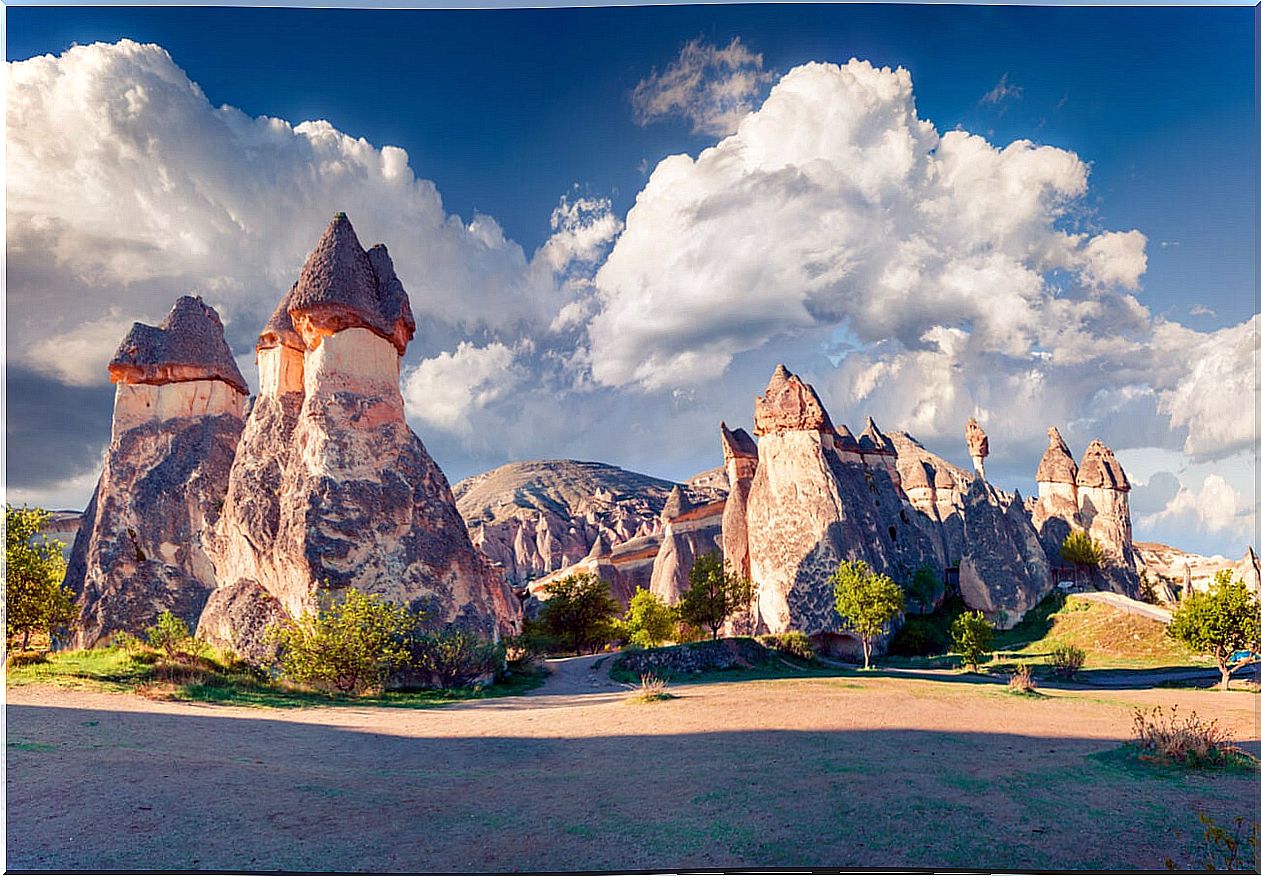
357 499
178 404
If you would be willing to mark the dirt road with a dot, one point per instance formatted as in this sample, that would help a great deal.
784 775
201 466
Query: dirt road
890 772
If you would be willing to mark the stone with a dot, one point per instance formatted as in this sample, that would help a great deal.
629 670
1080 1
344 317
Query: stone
332 489
237 618
1103 509
807 511
689 531
140 547
978 445
1054 514
739 453
1003 571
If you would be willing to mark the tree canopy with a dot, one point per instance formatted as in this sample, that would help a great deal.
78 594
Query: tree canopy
1221 623
713 595
867 602
580 611
36 600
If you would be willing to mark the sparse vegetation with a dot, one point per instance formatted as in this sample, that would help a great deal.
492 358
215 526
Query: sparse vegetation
649 621
1226 848
1021 681
794 643
1081 551
1222 623
170 635
652 689
1187 741
580 613
35 599
866 601
714 595
1067 660
455 658
972 636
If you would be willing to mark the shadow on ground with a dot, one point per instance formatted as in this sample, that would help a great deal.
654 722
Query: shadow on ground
96 789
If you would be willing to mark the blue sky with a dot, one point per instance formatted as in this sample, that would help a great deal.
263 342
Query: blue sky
528 341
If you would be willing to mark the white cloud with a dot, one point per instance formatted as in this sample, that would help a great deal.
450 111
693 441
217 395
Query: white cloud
1216 508
126 184
582 229
1002 90
836 203
444 390
713 88
79 357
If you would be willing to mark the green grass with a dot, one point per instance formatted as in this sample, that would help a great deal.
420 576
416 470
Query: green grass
213 679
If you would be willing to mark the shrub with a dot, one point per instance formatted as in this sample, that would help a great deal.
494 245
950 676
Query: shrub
1081 551
924 588
170 635
649 620
794 643
866 601
1189 741
25 658
530 644
580 612
918 637
35 599
713 595
1221 623
971 636
652 688
1226 849
456 658
1067 660
351 647
1021 681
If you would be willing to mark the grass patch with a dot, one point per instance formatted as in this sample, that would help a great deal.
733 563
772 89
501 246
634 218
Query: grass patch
1128 759
219 680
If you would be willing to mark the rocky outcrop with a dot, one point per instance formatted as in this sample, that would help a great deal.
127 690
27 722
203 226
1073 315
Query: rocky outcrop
978 445
688 531
357 499
538 517
739 453
1054 513
626 566
178 404
1179 572
807 510
1003 570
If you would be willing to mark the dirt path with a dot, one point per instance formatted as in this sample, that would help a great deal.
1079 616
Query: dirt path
822 772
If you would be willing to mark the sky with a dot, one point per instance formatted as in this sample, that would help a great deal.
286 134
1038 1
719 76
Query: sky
613 223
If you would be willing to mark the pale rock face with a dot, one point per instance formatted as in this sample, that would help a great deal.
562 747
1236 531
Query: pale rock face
740 459
1103 509
688 532
139 549
626 566
280 371
978 445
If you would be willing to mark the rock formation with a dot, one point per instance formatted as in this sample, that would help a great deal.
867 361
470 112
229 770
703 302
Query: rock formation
538 517
1055 511
807 510
688 531
178 403
331 488
978 445
1172 570
626 566
739 454
1003 570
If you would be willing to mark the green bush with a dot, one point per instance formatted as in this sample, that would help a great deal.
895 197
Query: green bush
170 635
533 642
456 658
971 636
580 613
36 601
794 643
1221 623
924 588
1067 660
350 647
713 595
649 621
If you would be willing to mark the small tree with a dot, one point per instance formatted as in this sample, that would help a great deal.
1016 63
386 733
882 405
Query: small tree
713 594
924 588
866 601
1081 551
1221 622
972 635
580 611
35 599
456 657
169 635
352 646
649 620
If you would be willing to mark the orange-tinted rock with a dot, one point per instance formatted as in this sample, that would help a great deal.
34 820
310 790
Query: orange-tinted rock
187 345
740 458
789 405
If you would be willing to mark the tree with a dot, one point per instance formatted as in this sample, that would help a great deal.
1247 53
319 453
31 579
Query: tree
580 611
1222 622
972 636
352 646
455 657
170 635
35 599
924 588
713 594
649 620
867 602
1081 551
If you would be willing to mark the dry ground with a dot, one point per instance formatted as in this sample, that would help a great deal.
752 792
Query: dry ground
845 772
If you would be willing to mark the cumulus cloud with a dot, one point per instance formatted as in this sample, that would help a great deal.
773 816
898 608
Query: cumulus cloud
441 391
1215 508
713 88
582 229
836 203
125 184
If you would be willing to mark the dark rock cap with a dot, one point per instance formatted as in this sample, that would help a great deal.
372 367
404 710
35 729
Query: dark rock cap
737 444
789 405
1100 468
188 345
845 439
342 286
279 331
978 441
874 441
1057 465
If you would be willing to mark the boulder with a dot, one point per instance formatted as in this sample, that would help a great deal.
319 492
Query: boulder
178 404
